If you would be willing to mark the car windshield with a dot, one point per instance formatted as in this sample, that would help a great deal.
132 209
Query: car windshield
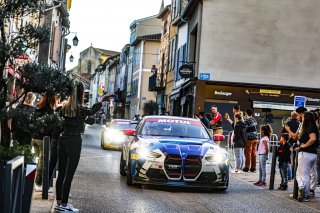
174 127
121 125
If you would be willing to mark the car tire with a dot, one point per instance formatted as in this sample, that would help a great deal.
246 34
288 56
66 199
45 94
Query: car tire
129 174
122 166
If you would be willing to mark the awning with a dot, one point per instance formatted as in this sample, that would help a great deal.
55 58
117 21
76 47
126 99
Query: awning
175 93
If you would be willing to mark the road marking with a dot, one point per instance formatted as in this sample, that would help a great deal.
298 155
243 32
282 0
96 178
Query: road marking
299 203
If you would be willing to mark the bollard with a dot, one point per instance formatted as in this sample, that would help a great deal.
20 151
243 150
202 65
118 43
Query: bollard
295 185
273 166
45 171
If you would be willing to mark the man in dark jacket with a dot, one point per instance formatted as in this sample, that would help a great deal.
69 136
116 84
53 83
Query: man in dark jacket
239 142
204 119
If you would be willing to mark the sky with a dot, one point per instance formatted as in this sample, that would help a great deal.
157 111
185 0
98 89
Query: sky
105 23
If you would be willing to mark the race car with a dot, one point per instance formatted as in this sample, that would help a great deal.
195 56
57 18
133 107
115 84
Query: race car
112 136
174 151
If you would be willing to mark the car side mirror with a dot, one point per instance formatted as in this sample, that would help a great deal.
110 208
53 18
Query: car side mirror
129 132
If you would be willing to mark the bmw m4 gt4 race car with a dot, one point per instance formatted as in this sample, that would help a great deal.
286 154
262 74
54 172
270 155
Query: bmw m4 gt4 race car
173 151
112 136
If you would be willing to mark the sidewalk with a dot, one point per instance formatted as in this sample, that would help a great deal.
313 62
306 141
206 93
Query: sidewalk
251 178
43 206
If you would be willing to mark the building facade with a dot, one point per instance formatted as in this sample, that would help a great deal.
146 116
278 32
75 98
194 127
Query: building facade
253 54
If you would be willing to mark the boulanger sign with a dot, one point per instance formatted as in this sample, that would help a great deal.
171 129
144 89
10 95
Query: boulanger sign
186 71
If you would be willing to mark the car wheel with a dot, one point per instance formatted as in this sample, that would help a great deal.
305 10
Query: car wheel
122 166
129 174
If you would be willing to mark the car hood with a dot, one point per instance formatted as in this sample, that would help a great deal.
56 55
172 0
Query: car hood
178 146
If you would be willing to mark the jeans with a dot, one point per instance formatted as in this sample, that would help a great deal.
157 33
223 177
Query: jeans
283 166
53 157
262 167
239 157
306 163
250 151
38 149
69 155
289 172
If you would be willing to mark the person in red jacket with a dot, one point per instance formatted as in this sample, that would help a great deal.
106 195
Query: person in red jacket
216 122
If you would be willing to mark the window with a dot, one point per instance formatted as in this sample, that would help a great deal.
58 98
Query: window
158 56
165 27
136 58
89 65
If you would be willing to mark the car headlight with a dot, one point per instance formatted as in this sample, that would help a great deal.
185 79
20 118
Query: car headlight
114 135
217 157
145 153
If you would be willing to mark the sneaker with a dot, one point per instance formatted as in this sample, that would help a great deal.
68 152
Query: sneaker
37 188
312 193
257 183
301 195
68 207
262 183
306 199
50 190
284 187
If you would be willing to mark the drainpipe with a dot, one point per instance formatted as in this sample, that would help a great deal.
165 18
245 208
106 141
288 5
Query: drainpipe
140 76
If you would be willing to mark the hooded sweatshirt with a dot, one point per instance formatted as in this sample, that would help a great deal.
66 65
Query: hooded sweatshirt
239 134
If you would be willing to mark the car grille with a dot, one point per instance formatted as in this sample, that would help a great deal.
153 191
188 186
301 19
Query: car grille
172 165
207 177
192 166
156 174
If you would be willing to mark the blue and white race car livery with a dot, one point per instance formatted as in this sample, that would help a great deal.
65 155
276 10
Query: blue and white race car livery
173 151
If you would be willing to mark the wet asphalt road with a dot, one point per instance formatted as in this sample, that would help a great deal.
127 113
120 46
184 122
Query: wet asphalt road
98 187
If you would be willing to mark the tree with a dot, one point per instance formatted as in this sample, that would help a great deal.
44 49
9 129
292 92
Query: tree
150 108
14 43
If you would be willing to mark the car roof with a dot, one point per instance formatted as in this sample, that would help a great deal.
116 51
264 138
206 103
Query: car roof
121 120
171 117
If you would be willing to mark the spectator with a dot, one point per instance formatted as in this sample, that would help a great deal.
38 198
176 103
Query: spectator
21 120
251 142
103 119
235 110
209 116
239 142
284 160
307 156
46 106
263 150
216 122
203 119
293 123
70 143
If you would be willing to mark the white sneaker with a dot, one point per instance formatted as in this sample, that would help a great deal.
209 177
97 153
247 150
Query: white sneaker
68 208
50 190
37 188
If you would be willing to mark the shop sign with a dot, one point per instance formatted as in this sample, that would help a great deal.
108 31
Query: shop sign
186 71
222 93
299 101
270 91
313 99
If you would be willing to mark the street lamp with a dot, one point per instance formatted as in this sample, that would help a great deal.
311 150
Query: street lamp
71 58
75 41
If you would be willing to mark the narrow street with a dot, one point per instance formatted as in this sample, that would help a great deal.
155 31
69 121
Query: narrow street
98 187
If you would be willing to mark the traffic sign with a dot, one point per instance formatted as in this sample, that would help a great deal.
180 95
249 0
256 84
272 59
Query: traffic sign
300 101
204 76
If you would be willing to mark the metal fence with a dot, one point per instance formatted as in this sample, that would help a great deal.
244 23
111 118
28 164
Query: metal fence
13 187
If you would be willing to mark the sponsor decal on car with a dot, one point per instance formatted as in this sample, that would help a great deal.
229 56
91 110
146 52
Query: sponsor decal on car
174 121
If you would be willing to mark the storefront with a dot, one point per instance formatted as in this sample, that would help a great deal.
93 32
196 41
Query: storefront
270 104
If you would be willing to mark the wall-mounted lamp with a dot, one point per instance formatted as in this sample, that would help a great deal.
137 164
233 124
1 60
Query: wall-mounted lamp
71 58
75 41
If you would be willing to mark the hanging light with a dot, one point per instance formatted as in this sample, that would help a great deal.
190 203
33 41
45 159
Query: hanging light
75 41
71 58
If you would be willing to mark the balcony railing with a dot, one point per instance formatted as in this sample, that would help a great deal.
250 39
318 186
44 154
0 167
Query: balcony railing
156 82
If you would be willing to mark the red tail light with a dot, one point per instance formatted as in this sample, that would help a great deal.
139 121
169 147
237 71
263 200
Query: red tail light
130 132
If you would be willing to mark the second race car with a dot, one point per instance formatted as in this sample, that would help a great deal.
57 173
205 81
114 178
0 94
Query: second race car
112 136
